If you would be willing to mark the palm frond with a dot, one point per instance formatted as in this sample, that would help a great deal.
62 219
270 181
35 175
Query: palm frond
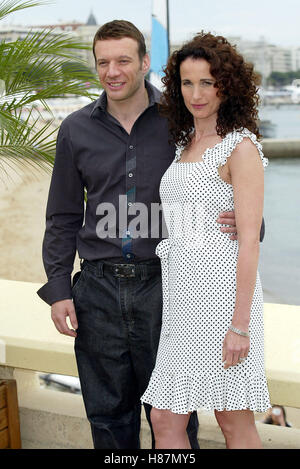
40 60
10 6
28 146
41 66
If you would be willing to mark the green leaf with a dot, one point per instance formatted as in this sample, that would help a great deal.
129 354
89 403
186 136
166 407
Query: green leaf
10 6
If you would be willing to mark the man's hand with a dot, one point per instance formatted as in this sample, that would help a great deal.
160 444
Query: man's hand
228 218
60 310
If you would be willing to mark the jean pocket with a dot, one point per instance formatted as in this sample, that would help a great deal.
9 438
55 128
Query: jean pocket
77 281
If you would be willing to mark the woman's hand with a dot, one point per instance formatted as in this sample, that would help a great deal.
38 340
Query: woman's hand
235 347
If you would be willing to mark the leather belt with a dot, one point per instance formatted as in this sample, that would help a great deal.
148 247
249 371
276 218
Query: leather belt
122 270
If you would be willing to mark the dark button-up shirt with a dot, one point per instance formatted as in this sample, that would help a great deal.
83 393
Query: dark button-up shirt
118 171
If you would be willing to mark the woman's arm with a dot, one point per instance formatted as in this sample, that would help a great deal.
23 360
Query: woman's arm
247 176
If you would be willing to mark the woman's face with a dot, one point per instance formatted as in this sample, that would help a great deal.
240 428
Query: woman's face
197 88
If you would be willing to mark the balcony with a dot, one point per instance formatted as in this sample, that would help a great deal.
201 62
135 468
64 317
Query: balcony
50 419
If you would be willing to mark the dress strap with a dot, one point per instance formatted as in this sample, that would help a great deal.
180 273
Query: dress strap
230 142
178 151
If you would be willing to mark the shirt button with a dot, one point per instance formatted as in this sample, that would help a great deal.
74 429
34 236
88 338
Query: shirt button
131 147
130 175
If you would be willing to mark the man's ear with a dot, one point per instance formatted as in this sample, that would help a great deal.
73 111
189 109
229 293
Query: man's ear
146 64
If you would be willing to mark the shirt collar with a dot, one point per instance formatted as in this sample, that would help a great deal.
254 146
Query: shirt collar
154 96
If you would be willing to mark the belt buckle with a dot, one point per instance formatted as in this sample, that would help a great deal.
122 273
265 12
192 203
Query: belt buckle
124 270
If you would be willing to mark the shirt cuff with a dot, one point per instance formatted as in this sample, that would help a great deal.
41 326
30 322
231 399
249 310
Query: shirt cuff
56 290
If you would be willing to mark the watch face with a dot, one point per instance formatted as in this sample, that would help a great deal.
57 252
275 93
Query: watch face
276 412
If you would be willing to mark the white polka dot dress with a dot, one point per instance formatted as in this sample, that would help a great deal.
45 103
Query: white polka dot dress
199 286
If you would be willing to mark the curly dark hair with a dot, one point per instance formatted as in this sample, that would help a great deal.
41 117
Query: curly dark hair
236 81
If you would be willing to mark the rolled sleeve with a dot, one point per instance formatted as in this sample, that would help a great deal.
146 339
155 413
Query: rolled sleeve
64 218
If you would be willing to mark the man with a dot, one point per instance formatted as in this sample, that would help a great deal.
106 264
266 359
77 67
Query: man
117 148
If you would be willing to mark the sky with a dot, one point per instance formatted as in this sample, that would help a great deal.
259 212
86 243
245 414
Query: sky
275 20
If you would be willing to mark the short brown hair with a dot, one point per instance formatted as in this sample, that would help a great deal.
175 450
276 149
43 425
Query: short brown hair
118 29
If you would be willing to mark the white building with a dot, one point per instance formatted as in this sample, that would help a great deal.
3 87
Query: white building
267 58
83 31
296 59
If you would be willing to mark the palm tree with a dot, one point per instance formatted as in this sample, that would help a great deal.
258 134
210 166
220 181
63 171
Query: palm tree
33 70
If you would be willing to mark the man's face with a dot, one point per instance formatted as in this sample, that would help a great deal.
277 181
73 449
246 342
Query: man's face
120 69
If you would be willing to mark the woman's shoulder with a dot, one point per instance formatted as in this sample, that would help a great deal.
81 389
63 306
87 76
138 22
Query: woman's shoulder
245 142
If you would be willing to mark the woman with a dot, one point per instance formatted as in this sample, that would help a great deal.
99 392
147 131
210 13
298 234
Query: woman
211 346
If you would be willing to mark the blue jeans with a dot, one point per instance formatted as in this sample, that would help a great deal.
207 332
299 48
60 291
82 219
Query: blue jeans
119 322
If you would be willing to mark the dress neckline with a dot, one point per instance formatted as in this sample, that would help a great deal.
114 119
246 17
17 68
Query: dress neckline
203 154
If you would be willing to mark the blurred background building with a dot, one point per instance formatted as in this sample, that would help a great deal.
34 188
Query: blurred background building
266 57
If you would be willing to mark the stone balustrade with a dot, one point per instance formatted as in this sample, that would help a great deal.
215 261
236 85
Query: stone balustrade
30 344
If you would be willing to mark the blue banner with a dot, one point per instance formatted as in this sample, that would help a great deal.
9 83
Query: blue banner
159 41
